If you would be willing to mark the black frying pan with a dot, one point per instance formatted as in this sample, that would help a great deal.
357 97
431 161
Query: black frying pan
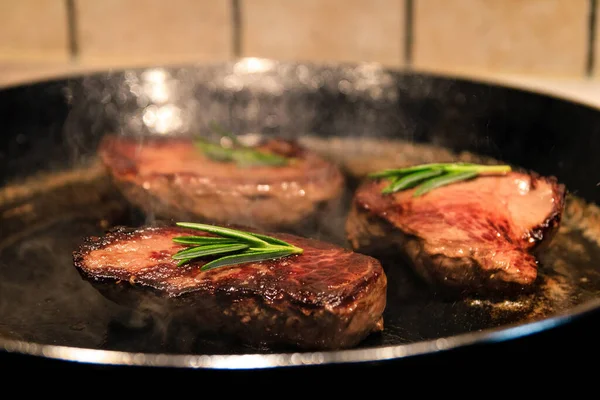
53 193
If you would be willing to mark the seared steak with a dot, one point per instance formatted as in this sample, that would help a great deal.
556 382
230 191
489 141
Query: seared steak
476 236
171 178
326 298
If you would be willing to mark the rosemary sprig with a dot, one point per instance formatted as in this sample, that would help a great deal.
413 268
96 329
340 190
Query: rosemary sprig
242 155
233 246
431 176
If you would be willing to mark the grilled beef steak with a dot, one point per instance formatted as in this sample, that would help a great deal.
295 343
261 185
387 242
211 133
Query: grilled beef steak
171 178
476 236
326 298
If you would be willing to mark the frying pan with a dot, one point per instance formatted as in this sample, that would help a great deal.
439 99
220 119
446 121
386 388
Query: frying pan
54 193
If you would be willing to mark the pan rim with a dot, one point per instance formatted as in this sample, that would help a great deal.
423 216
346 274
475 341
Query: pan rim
258 361
502 80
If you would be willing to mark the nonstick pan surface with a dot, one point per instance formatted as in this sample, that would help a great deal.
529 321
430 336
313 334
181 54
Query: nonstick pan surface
54 193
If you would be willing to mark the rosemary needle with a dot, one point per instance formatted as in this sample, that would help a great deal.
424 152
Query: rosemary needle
232 246
427 177
243 156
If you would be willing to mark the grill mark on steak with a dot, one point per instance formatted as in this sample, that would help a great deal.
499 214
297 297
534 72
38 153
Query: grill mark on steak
171 178
327 297
477 236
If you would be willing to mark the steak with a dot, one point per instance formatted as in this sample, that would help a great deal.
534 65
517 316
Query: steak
327 297
476 236
170 178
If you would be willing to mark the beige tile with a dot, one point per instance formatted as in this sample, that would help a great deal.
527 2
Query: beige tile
33 30
18 72
154 31
324 30
596 49
546 37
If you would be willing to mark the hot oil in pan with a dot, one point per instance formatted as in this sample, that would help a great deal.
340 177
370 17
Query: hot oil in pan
43 298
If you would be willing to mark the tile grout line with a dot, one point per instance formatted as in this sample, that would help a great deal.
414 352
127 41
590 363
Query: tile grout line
236 28
72 30
591 42
408 32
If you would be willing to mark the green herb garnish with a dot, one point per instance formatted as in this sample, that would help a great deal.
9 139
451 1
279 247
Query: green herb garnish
431 176
234 246
242 155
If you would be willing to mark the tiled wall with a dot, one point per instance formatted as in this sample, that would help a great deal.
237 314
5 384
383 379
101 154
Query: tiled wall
539 37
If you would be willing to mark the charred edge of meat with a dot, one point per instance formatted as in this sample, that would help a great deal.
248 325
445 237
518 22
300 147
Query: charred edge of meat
365 231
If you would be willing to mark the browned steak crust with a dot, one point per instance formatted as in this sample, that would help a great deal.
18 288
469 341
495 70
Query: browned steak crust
171 178
478 236
326 298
